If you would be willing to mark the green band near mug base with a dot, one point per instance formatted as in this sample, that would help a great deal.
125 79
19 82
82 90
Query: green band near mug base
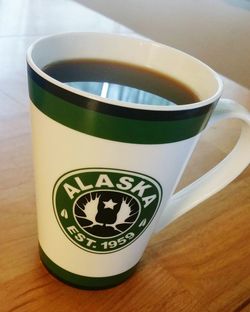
83 282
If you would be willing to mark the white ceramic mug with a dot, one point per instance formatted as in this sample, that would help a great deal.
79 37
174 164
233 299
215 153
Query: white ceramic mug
106 171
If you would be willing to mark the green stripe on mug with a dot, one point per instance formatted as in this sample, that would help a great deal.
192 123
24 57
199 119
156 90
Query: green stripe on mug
130 112
83 282
112 127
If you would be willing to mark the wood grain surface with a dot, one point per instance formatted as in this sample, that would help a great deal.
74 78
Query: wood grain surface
200 262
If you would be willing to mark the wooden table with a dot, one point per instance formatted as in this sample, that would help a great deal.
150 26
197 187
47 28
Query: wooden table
201 262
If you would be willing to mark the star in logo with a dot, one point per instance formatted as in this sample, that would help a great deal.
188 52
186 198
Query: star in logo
109 204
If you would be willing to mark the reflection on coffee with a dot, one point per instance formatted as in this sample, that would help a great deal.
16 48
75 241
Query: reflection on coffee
121 81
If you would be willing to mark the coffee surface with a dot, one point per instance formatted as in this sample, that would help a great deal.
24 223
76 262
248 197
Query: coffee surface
121 81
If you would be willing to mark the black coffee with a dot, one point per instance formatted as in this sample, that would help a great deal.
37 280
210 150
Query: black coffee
121 81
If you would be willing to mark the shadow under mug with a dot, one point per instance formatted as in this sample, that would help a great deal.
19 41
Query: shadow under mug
105 170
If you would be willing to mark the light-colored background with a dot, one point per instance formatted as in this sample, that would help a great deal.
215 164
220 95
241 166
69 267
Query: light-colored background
215 31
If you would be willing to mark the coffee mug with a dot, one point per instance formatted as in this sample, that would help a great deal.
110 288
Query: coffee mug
106 170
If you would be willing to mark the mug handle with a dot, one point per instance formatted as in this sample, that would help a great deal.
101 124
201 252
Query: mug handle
219 176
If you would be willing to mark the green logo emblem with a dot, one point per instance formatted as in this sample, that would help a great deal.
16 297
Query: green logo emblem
104 210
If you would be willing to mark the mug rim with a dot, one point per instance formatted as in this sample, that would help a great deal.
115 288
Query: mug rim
152 107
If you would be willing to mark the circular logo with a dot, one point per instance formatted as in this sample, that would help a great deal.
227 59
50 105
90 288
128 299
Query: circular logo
104 210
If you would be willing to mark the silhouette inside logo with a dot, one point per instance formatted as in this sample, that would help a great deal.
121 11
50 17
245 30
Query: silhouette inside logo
106 213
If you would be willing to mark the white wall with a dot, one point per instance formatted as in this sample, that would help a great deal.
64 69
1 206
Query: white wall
216 31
